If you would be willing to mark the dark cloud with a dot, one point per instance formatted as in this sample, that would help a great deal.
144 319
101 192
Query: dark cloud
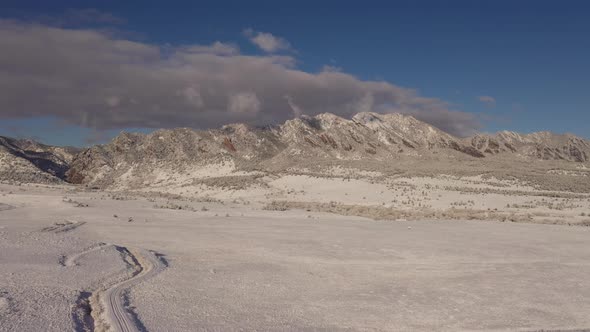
94 79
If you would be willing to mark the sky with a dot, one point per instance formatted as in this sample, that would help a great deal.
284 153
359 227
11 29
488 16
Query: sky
78 73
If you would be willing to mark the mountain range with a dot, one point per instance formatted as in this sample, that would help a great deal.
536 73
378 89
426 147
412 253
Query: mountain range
378 138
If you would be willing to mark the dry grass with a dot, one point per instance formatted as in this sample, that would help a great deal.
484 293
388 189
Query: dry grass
377 212
174 206
508 192
235 182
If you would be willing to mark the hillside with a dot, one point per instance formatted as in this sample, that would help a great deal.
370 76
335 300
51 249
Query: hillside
30 161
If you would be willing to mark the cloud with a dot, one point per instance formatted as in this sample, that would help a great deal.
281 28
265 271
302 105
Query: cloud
192 96
100 81
217 48
266 41
113 101
490 101
244 102
297 112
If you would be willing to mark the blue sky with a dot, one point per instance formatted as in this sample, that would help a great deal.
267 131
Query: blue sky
516 65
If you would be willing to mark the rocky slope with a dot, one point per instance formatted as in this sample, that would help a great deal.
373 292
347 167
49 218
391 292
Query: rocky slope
541 145
182 154
30 161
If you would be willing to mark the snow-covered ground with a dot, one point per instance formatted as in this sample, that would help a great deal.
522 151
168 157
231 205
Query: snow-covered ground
230 265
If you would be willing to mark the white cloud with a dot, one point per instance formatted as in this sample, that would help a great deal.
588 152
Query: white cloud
267 41
490 101
79 76
297 112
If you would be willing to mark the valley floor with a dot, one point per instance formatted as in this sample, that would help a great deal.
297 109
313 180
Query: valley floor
226 264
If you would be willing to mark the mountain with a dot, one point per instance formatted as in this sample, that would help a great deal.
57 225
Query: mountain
366 135
25 160
181 155
541 145
140 160
144 158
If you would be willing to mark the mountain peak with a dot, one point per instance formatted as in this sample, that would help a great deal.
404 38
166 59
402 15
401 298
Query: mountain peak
367 118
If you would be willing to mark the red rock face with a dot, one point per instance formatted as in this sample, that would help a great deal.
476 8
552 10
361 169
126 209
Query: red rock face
229 145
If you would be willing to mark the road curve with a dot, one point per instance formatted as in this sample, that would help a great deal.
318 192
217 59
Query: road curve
148 265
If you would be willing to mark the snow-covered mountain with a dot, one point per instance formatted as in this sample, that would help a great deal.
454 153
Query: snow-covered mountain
541 145
30 161
144 159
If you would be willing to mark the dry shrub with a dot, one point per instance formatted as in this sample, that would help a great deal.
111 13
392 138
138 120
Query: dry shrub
378 212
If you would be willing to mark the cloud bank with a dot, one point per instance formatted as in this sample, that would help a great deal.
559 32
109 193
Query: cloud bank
97 80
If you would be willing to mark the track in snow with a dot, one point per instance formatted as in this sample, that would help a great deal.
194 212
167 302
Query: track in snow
148 266
70 261
144 264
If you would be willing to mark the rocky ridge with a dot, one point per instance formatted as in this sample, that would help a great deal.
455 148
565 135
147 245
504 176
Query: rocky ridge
141 160
24 160
540 145
147 159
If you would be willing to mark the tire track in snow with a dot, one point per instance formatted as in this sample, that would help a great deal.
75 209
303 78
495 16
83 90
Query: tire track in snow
107 305
148 266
